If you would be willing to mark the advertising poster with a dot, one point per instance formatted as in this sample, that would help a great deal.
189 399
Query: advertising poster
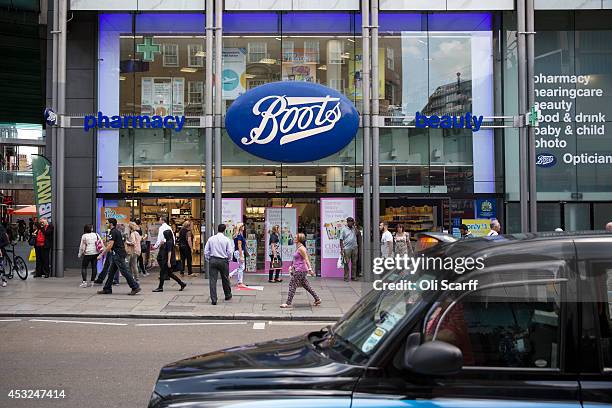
486 208
121 214
156 95
478 227
286 219
231 215
296 71
334 212
41 174
355 75
234 72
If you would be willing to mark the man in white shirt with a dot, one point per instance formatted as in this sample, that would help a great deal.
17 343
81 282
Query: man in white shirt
386 241
495 228
218 252
160 233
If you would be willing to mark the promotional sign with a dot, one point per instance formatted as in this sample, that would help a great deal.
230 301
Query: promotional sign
231 215
41 174
486 208
478 227
355 89
286 219
234 71
121 214
292 121
334 212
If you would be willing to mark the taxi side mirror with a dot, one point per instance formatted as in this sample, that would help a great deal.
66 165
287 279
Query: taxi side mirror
432 357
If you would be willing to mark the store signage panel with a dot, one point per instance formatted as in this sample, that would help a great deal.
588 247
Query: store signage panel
292 121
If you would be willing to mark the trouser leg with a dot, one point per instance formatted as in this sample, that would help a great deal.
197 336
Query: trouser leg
354 255
306 285
123 270
212 280
225 282
293 283
346 255
39 260
84 264
112 270
94 267
45 259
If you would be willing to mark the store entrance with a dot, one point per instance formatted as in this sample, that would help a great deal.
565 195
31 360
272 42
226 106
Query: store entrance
415 214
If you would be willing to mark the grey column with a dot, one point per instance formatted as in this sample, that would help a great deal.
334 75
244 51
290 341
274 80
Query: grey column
218 108
208 131
58 221
522 108
367 215
53 131
375 132
533 195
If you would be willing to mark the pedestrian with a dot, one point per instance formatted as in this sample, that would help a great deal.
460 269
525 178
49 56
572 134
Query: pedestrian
402 242
218 251
276 262
185 243
21 230
300 268
132 248
359 235
4 241
349 249
144 247
609 226
240 254
465 232
495 228
166 257
42 248
116 246
386 241
31 226
89 249
160 233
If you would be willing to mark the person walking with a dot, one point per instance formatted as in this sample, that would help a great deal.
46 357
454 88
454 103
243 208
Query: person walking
402 242
42 248
144 248
160 233
166 257
276 262
240 254
218 251
349 249
495 228
89 249
133 249
21 230
300 268
185 243
31 226
386 241
359 235
116 246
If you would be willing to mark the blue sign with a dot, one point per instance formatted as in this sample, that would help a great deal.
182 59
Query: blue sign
50 117
102 121
292 121
545 160
486 208
467 121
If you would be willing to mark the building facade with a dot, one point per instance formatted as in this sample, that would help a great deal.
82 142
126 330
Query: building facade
442 57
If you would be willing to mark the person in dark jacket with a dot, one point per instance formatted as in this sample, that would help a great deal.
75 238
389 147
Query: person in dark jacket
42 247
166 258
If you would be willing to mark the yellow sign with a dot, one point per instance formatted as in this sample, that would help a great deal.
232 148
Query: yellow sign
355 90
478 227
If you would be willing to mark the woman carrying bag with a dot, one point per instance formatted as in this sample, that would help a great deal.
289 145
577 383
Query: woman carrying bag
299 270
89 249
276 264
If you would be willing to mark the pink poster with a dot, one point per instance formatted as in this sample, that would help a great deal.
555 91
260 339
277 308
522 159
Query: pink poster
286 219
334 212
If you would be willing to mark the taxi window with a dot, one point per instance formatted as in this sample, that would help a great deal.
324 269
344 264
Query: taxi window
506 326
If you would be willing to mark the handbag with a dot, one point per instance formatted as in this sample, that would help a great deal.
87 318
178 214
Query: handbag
276 263
340 263
99 244
32 240
144 247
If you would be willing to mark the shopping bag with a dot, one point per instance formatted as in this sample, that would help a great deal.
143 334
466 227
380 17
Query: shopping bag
99 244
340 263
276 263
32 257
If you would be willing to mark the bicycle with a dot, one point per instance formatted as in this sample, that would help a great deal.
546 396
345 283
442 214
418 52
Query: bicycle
14 264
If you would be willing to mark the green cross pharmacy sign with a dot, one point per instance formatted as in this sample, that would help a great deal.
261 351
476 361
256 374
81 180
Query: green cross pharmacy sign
148 49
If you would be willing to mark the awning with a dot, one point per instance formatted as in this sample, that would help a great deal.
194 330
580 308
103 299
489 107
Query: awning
27 210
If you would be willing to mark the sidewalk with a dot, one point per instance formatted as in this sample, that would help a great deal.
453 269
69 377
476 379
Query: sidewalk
62 297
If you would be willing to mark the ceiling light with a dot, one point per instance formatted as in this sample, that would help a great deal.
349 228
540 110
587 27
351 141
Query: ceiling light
277 39
200 54
346 55
249 76
350 39
189 69
323 68
122 78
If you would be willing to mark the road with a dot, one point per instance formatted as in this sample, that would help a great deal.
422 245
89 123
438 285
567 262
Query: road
112 362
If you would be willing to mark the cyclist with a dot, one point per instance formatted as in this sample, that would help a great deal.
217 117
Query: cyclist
4 241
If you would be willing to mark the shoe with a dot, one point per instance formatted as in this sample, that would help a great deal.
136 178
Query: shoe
145 274
45 276
346 279
229 297
115 283
83 285
158 290
105 292
4 284
183 286
213 303
241 285
97 282
134 291
285 306
182 273
317 303
271 281
91 284
278 280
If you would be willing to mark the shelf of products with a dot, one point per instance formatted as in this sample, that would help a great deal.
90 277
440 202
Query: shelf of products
413 218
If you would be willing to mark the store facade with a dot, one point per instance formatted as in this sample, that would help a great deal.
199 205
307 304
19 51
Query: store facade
442 60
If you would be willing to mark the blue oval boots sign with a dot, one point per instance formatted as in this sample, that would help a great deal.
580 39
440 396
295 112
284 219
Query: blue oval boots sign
292 121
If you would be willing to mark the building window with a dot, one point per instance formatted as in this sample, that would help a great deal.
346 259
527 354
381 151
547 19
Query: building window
195 55
195 92
311 51
390 58
171 55
289 51
257 51
335 52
